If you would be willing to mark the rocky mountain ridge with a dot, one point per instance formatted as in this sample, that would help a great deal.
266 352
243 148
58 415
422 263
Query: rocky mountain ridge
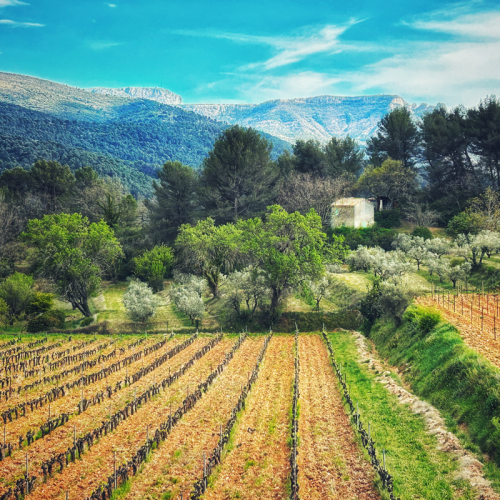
318 118
157 94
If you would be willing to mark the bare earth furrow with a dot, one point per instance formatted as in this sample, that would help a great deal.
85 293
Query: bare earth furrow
61 438
69 402
258 464
181 455
331 465
84 476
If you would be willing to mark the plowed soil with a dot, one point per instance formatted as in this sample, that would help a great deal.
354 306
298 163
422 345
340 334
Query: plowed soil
330 463
258 464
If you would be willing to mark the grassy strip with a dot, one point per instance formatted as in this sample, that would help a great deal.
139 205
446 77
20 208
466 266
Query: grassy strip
462 384
418 469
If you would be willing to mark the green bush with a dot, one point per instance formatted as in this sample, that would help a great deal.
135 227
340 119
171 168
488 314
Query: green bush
366 236
423 232
46 321
42 302
388 218
86 321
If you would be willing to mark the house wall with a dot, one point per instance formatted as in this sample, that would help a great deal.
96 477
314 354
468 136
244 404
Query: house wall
343 216
364 214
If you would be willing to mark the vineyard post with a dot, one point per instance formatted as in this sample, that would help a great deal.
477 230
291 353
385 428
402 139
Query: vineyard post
74 435
454 308
4 427
494 327
27 476
49 411
471 314
369 431
482 319
147 437
383 457
462 306
67 495
204 471
114 468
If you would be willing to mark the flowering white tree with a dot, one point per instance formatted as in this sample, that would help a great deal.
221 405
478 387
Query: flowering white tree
459 273
473 248
187 295
414 247
140 302
438 246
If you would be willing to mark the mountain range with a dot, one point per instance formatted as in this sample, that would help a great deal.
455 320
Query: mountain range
119 137
318 118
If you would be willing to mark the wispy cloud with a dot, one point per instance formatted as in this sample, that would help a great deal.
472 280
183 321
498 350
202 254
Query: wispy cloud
112 5
11 3
288 49
16 24
481 25
102 45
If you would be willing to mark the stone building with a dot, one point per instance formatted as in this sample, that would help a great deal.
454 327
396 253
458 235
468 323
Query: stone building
352 212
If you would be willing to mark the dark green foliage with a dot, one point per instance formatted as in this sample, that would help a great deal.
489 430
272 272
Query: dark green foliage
397 138
365 236
309 157
154 265
175 200
444 371
423 232
42 302
238 177
464 223
86 321
388 218
370 308
24 152
46 321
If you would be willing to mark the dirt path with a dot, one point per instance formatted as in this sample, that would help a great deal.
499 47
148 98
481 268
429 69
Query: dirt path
83 476
258 464
481 340
331 465
178 463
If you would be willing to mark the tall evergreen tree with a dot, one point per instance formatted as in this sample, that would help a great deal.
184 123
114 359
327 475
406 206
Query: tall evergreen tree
344 156
238 177
175 200
397 138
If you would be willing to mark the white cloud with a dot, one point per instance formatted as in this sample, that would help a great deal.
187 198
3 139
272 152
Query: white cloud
481 25
16 24
302 84
11 3
101 45
112 5
289 49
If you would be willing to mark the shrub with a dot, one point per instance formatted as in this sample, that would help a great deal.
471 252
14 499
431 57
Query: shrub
388 218
46 321
42 302
423 232
367 236
86 321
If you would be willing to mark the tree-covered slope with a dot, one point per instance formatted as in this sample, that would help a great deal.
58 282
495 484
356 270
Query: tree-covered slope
20 151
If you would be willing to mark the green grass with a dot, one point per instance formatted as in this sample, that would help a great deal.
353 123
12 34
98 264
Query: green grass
460 383
418 469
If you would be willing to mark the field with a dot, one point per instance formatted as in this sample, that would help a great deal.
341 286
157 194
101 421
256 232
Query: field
178 417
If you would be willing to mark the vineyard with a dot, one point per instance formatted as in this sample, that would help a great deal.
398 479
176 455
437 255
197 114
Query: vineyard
476 315
215 417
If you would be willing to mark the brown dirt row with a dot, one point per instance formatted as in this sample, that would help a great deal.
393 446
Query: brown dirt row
179 461
258 464
331 465
474 336
19 379
69 403
84 476
61 438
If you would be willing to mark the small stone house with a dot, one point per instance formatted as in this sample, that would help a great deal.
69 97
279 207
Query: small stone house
352 212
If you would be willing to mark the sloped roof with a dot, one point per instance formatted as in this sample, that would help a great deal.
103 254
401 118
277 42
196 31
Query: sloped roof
347 202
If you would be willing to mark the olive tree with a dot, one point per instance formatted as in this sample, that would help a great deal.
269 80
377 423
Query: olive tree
140 302
187 296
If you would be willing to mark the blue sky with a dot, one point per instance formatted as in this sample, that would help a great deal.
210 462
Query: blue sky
256 50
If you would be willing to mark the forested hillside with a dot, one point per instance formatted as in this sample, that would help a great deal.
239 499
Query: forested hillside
118 137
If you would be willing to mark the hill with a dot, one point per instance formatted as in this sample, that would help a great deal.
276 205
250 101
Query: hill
311 118
153 93
290 119
129 138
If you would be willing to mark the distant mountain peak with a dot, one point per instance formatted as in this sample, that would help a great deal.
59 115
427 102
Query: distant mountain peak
158 94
